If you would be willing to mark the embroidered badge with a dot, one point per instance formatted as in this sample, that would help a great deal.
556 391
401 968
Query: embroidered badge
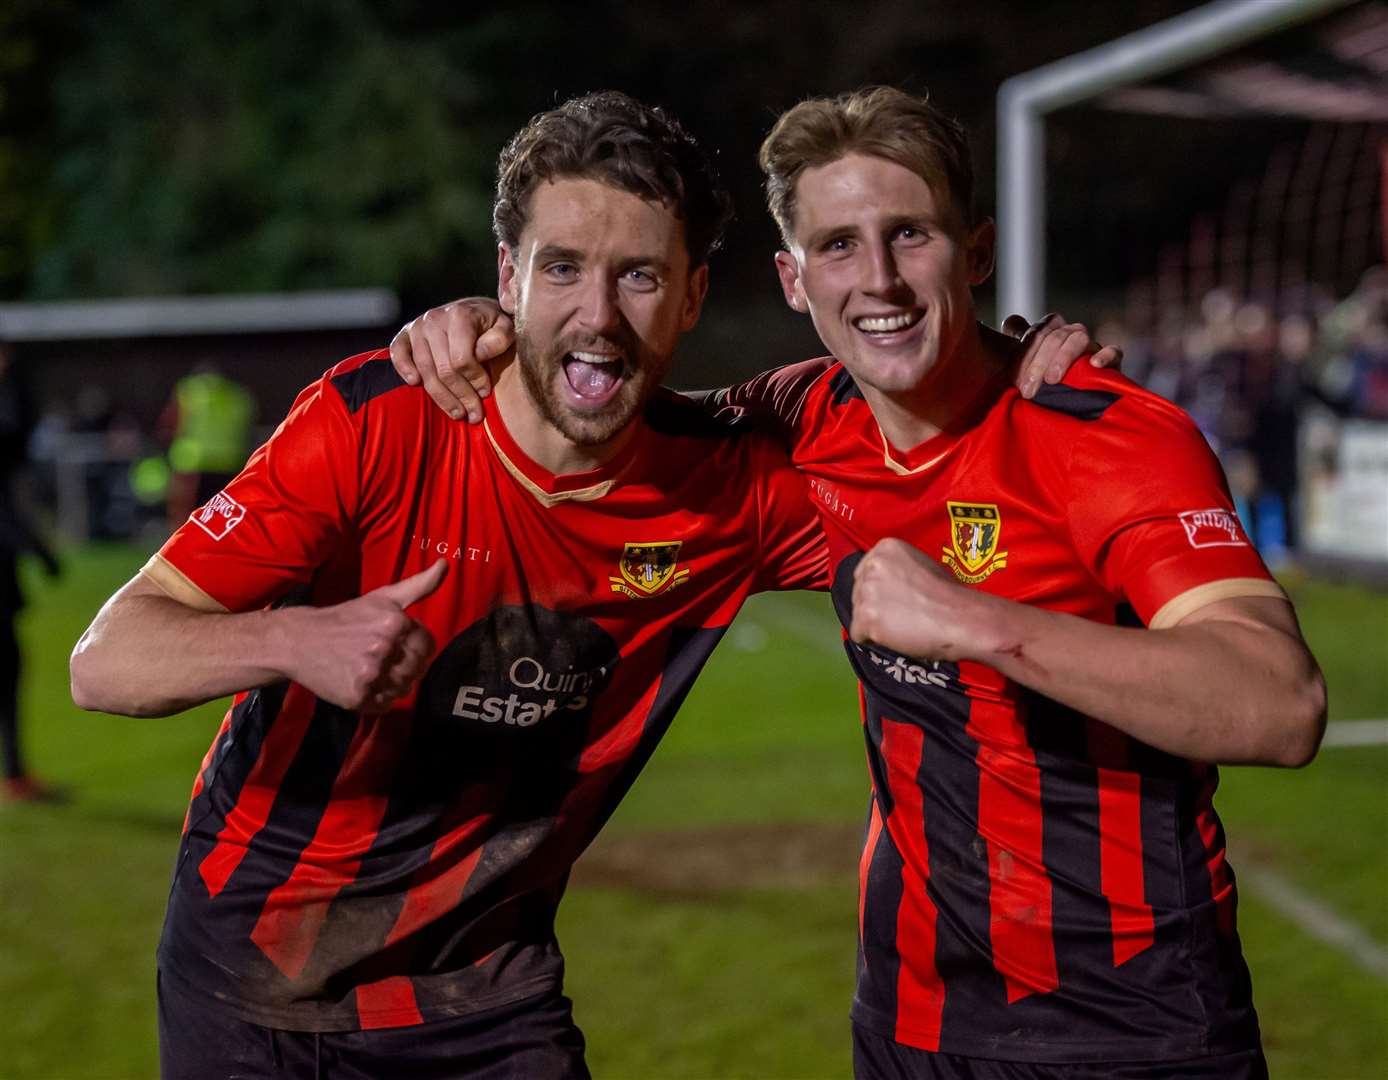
649 569
974 531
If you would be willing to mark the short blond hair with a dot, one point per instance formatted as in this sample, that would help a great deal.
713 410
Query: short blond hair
879 121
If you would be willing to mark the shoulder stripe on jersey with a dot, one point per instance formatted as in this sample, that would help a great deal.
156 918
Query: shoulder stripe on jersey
361 384
1178 607
843 389
173 581
1081 404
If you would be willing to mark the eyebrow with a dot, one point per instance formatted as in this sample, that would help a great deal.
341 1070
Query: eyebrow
660 266
822 236
556 251
831 232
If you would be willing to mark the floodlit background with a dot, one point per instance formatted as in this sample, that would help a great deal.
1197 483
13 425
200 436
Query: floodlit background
266 188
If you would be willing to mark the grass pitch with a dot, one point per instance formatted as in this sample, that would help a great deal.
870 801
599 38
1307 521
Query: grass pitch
710 931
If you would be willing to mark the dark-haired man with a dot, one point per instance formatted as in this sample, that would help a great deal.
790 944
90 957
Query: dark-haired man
475 637
1059 628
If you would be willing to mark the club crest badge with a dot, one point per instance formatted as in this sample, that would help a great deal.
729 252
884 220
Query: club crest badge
649 569
974 532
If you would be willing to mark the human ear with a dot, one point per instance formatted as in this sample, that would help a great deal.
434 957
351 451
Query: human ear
694 294
983 246
506 279
788 270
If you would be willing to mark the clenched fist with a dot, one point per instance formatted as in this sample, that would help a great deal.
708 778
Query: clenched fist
904 601
366 653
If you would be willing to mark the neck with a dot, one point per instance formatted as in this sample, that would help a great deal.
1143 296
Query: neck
542 442
910 417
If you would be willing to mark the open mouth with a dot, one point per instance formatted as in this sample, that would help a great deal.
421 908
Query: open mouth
884 325
595 378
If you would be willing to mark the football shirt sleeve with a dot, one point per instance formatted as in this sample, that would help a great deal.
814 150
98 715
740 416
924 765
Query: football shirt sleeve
277 521
1151 514
773 401
794 552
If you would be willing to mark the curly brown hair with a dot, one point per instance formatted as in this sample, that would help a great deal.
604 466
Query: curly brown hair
612 138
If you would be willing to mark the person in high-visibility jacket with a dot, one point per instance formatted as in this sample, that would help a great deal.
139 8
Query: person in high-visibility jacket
210 417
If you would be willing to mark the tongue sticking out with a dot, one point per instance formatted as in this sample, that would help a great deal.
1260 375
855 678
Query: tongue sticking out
589 379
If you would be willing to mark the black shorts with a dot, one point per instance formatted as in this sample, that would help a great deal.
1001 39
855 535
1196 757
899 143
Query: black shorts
535 1039
876 1057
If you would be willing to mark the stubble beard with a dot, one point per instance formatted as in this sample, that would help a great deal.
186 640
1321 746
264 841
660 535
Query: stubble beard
541 366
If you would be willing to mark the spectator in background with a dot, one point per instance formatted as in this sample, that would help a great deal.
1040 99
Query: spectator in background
209 421
1352 376
17 535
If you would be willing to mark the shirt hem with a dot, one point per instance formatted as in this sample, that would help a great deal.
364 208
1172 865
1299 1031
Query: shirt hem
1010 1047
349 1018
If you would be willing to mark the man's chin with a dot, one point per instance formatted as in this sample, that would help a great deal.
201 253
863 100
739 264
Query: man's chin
594 427
889 374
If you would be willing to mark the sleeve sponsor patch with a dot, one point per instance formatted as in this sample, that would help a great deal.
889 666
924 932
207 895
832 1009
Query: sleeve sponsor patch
221 514
1215 527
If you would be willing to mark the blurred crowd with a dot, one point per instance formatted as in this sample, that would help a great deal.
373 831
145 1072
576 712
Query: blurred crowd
1268 385
106 477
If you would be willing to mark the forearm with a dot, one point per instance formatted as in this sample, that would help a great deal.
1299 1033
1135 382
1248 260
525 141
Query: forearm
146 654
1227 690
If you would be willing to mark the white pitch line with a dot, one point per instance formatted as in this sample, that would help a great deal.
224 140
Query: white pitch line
1315 918
1356 733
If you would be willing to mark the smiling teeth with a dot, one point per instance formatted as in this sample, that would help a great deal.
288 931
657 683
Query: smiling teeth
884 325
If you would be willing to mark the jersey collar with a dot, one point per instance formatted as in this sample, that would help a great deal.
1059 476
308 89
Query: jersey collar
549 488
921 457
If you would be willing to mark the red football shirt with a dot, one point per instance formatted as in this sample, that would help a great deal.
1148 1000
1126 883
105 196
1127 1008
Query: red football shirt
340 871
1035 885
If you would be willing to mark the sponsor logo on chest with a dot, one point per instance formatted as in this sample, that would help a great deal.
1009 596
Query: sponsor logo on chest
828 496
447 549
519 667
975 530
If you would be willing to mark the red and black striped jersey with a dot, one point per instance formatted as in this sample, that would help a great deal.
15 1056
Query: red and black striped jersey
341 871
1035 885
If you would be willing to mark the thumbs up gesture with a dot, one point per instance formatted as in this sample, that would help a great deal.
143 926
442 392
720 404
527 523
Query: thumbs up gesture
366 653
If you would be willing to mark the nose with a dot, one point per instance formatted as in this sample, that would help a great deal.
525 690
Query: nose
598 310
881 276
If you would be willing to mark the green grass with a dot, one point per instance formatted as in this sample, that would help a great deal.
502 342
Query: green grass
716 969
